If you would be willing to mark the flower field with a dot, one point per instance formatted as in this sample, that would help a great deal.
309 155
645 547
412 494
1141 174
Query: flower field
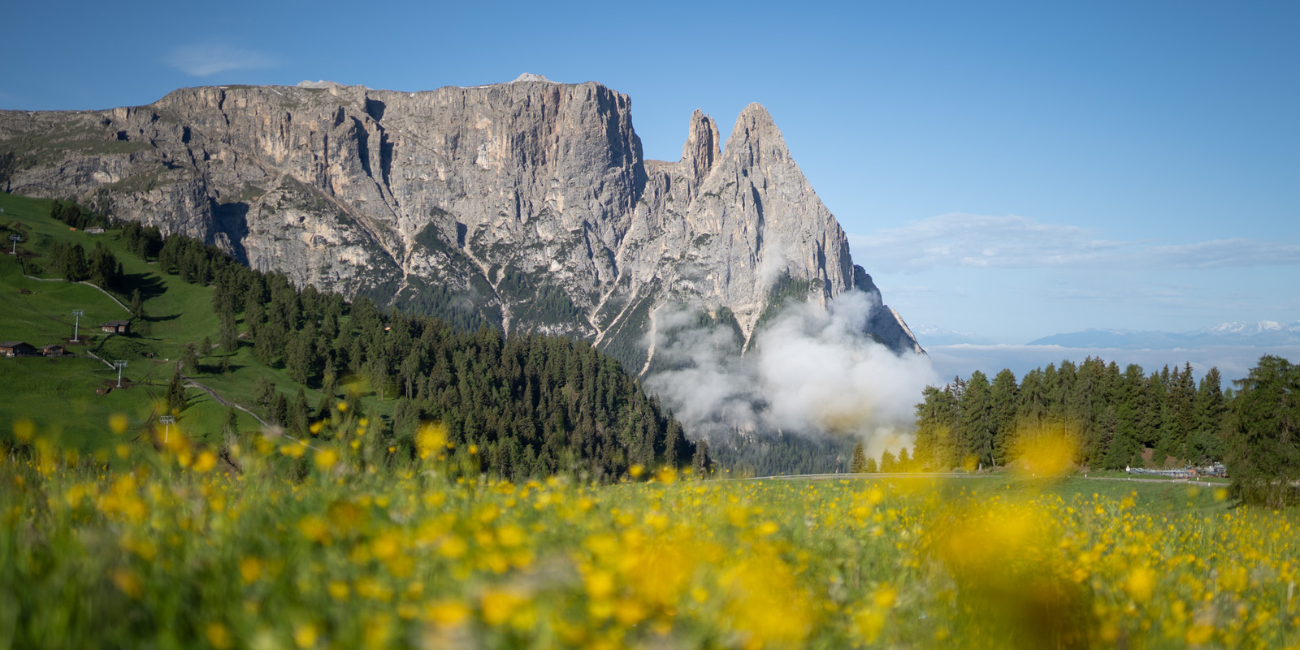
168 546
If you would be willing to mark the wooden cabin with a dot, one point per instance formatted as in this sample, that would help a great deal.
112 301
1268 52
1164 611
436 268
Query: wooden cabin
116 327
16 349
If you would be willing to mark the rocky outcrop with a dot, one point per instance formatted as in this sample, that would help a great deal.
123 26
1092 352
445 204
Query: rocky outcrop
527 204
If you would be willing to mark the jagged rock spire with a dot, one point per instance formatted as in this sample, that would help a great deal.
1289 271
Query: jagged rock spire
702 148
472 203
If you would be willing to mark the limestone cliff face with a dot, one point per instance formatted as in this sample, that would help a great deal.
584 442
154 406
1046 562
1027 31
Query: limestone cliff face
527 204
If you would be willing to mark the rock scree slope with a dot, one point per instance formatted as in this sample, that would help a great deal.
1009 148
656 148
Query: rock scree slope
527 204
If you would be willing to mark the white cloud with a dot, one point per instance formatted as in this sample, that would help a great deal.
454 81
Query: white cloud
204 59
812 371
979 241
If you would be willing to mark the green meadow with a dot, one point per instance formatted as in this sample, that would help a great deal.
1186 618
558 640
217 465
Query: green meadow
73 397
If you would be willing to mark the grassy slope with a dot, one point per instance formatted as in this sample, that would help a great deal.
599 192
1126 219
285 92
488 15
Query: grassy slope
1156 496
1148 495
59 395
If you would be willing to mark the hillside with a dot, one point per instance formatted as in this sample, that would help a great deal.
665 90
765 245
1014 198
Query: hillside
526 205
533 404
60 394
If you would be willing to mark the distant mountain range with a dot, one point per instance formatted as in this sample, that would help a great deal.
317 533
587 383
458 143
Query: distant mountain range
931 335
1264 333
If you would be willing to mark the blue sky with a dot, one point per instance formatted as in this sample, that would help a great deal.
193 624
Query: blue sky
1011 170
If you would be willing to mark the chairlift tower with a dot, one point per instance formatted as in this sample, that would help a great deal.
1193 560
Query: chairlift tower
167 421
120 364
15 239
76 324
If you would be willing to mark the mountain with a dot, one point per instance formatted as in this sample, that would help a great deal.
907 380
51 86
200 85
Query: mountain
527 205
942 336
1262 334
273 356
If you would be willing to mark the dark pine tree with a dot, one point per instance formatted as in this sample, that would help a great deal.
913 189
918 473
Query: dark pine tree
1263 458
1002 402
859 463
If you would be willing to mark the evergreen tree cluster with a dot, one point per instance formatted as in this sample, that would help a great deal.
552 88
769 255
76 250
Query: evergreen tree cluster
777 454
72 214
100 267
194 261
1110 415
532 405
143 241
1263 440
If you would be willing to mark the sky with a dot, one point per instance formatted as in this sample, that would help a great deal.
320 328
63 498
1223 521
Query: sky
1005 170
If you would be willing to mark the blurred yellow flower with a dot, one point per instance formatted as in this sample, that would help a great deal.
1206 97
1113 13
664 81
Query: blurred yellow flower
498 605
250 569
219 636
314 528
304 635
128 582
325 459
294 449
206 461
1140 583
24 429
430 439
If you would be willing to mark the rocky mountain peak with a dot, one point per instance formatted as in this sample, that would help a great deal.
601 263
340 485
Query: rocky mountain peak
756 135
527 205
528 76
702 148
320 84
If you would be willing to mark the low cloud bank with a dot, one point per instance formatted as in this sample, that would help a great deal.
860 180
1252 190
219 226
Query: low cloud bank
811 371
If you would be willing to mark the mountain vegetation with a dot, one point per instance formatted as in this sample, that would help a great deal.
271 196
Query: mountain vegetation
528 405
1111 416
403 215
781 454
1263 434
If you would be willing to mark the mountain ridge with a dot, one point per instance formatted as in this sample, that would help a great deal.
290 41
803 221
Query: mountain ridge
1259 334
523 204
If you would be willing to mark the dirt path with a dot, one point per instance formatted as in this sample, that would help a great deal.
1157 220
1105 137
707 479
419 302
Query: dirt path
222 401
110 296
266 426
92 356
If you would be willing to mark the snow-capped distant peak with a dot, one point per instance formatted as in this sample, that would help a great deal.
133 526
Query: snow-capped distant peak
1247 329
932 335
1263 333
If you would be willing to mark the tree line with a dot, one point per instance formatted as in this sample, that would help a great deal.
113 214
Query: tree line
1110 415
532 405
1263 434
72 214
100 266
